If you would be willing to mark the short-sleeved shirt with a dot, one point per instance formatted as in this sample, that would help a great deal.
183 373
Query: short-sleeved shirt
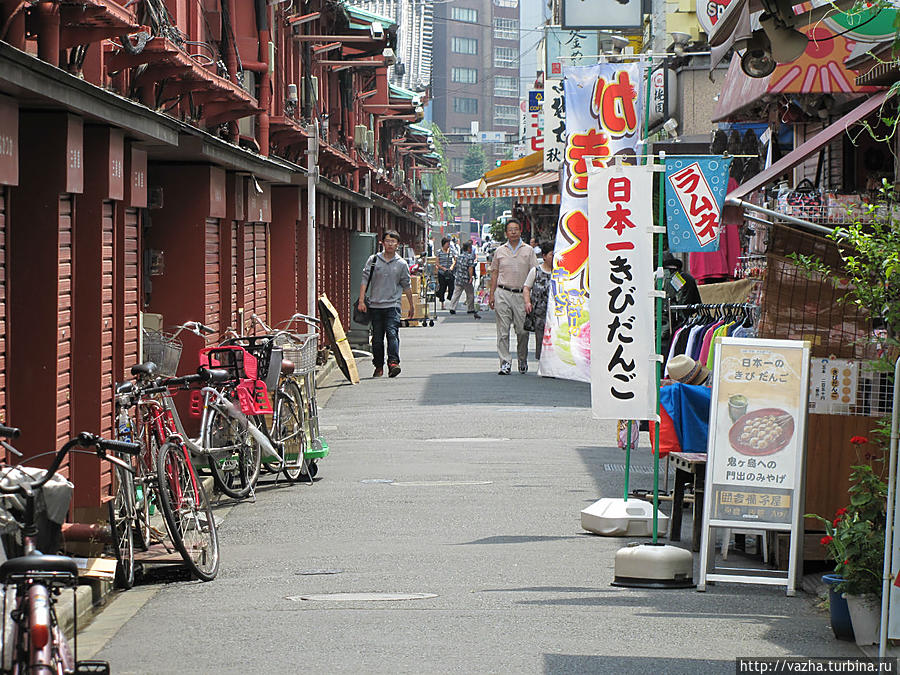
445 258
463 263
389 279
512 266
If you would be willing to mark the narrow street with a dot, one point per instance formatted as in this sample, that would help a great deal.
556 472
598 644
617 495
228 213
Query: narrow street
453 482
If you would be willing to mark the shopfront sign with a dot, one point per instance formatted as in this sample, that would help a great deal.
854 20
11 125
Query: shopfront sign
756 449
9 141
603 120
569 48
623 352
695 196
833 386
554 124
579 14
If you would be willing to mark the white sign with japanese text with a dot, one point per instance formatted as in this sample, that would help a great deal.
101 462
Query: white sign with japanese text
623 363
554 124
569 48
834 385
756 448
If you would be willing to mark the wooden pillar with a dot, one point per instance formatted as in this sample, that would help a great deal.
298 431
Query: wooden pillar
288 283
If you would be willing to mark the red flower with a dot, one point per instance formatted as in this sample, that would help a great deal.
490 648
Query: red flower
859 440
836 521
840 512
827 539
846 562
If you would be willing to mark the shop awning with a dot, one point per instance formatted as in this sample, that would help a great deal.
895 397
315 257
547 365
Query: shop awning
811 146
533 184
527 167
362 19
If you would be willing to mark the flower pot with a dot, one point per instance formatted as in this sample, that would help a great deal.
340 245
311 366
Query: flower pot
865 615
840 615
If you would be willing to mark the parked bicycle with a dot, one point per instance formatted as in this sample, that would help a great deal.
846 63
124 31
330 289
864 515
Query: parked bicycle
164 473
296 413
34 642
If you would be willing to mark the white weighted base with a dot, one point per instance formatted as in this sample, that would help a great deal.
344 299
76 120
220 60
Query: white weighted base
612 517
654 566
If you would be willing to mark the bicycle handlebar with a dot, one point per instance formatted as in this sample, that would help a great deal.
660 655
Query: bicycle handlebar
9 432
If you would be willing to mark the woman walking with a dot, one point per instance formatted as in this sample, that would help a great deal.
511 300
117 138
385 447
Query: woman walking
536 291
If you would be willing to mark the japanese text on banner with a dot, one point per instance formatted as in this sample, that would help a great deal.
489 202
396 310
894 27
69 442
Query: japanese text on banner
603 120
623 380
695 195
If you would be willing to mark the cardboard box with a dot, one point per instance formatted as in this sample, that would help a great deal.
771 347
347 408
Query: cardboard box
418 303
416 284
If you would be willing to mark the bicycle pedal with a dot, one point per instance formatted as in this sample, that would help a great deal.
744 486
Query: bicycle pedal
92 668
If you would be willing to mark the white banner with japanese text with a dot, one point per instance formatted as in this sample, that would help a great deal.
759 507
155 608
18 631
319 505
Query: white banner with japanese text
623 364
603 119
554 124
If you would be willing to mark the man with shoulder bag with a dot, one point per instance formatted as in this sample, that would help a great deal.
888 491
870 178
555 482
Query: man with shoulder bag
385 278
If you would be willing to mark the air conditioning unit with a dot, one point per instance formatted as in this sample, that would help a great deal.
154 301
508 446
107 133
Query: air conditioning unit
389 57
370 141
359 135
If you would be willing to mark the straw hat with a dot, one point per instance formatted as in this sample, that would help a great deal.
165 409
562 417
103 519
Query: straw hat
684 369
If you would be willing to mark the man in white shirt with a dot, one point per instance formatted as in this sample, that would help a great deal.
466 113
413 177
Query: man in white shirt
511 264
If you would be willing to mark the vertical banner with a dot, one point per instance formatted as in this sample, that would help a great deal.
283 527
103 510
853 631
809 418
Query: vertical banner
603 120
623 349
695 195
554 124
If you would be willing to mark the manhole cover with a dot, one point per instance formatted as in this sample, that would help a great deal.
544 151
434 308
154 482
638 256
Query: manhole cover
377 480
362 597
309 573
465 440
431 483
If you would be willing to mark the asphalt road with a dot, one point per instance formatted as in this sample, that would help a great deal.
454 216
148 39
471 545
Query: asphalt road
489 476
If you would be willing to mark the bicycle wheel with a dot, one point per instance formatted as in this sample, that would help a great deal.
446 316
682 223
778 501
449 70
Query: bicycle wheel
121 515
235 456
290 428
186 509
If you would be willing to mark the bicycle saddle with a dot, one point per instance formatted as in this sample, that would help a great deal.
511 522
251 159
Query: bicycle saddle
287 366
214 374
148 369
27 565
124 387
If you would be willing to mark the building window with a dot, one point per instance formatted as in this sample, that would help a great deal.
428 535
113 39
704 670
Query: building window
460 130
506 29
464 75
464 14
506 57
506 86
460 45
468 106
457 164
506 3
506 115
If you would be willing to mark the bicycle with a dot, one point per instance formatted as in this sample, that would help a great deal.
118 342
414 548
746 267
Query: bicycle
164 473
34 641
295 398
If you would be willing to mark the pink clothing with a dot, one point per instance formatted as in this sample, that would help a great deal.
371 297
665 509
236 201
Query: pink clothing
707 341
723 262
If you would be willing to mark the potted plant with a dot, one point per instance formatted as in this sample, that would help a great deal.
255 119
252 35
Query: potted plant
854 540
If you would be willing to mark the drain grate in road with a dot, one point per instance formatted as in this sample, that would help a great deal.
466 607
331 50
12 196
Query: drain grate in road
309 573
635 468
361 597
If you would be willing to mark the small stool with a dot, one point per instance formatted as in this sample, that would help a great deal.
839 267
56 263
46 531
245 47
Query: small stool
759 534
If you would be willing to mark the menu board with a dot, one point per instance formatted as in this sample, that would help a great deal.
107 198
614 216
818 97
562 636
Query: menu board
834 384
757 438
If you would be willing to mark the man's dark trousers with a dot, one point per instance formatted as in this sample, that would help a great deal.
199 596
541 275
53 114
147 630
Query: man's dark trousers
385 322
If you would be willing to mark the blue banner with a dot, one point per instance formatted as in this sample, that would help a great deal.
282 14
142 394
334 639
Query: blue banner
695 194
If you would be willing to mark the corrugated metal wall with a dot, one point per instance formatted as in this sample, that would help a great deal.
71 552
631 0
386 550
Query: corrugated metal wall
64 322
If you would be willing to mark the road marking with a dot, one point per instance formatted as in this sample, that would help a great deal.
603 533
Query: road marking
361 597
465 440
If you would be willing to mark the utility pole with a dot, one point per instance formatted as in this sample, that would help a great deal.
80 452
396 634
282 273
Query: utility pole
312 179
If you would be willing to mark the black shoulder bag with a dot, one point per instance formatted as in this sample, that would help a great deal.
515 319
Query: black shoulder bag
363 317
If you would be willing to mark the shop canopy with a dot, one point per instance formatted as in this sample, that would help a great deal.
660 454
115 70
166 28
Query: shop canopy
361 19
813 145
523 179
819 70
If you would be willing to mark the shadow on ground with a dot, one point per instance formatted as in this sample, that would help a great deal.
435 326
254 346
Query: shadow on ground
489 388
560 664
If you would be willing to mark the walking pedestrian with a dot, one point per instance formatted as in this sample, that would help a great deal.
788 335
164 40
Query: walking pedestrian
464 278
389 279
536 290
511 264
445 260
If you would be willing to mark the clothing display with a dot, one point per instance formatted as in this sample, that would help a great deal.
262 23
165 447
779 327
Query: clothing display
698 326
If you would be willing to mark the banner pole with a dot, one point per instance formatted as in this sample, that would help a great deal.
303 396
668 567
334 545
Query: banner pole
627 455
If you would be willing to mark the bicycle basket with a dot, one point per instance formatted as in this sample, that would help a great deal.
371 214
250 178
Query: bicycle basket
302 350
163 349
240 364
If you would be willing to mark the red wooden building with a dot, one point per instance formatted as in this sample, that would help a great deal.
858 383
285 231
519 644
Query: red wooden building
199 160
